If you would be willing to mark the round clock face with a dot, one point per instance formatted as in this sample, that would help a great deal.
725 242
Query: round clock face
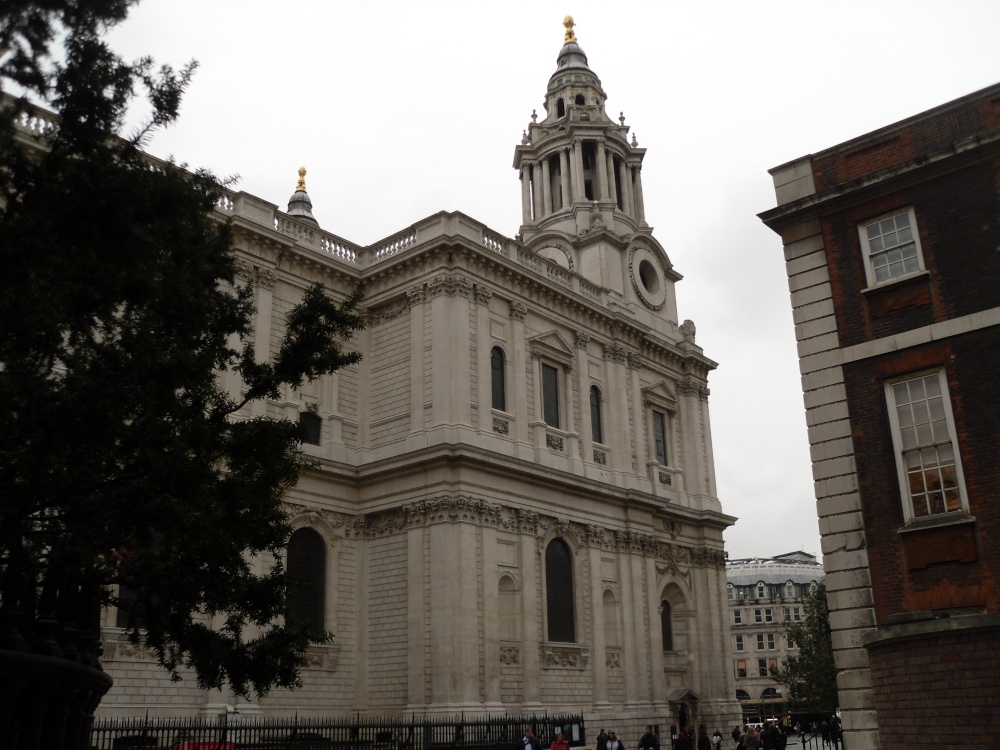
647 277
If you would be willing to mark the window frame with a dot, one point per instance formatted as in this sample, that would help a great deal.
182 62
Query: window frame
553 402
554 598
662 456
596 415
870 273
905 496
312 426
313 606
498 379
737 617
740 644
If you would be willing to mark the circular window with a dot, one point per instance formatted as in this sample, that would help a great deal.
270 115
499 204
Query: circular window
647 277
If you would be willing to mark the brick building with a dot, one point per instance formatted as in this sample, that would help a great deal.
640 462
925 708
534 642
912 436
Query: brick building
892 248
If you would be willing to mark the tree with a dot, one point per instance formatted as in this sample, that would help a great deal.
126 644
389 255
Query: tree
810 676
129 475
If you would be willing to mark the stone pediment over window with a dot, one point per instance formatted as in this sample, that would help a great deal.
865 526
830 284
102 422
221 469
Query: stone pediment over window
682 695
661 395
553 346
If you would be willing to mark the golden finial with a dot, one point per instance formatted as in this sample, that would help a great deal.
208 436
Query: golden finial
570 36
301 185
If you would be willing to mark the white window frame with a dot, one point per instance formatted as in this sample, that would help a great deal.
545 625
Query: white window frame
771 642
740 644
760 641
870 272
909 515
768 615
737 617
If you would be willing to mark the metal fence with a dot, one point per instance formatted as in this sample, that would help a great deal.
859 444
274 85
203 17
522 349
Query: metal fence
241 732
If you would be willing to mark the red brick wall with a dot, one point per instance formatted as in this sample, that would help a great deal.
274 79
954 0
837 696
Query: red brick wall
913 139
938 691
954 567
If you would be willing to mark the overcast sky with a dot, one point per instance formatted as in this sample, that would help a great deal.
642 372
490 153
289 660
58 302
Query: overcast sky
402 109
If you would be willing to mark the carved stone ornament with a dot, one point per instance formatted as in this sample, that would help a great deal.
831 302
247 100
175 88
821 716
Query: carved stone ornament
554 442
483 295
582 339
266 278
450 284
518 310
565 656
390 311
600 457
416 295
117 647
323 658
613 660
615 352
501 426
510 655
666 478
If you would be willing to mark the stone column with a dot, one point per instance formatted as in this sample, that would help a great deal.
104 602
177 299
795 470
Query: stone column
525 193
536 190
619 438
625 186
451 392
518 377
602 172
546 189
638 409
416 593
583 387
579 193
612 185
416 297
656 663
640 209
491 622
567 195
484 412
533 638
631 623
598 660
264 299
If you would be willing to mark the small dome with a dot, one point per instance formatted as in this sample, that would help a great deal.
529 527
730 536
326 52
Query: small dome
572 56
300 205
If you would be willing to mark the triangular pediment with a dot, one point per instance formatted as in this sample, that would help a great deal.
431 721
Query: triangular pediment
660 393
683 695
551 344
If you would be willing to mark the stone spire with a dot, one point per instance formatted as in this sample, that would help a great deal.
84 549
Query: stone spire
299 205
579 172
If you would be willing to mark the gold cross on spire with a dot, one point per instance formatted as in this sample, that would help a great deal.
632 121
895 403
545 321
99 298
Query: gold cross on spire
570 36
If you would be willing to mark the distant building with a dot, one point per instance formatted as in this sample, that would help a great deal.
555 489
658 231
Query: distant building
892 247
763 594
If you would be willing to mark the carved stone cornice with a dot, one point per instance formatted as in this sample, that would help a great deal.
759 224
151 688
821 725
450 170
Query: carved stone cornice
482 294
378 315
416 295
564 655
615 352
450 284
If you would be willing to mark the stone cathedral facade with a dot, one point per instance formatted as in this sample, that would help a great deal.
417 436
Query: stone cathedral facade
514 504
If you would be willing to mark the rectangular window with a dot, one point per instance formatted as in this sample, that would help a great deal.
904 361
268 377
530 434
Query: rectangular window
740 645
770 642
741 668
660 437
791 642
762 667
771 664
788 614
796 614
768 615
891 246
760 641
758 616
550 395
737 617
923 435
312 427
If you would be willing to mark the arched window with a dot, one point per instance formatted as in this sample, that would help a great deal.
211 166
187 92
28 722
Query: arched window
789 590
307 567
761 590
510 609
560 108
312 426
611 637
742 695
559 592
580 100
666 626
596 424
498 378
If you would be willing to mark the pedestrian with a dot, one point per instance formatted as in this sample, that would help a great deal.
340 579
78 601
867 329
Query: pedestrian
684 740
528 741
751 741
717 739
649 740
602 739
559 743
703 742
613 743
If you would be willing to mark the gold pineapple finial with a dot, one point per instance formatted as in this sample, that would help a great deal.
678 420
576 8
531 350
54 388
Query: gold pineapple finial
301 184
570 36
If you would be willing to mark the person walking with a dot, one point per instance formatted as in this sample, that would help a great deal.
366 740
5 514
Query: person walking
613 743
649 740
559 743
528 741
602 739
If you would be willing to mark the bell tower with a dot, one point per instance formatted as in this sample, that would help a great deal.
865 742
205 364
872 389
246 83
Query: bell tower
581 186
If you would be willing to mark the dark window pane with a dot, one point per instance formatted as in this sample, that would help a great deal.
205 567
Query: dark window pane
595 414
559 592
498 376
660 437
126 599
550 395
666 627
307 567
312 425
